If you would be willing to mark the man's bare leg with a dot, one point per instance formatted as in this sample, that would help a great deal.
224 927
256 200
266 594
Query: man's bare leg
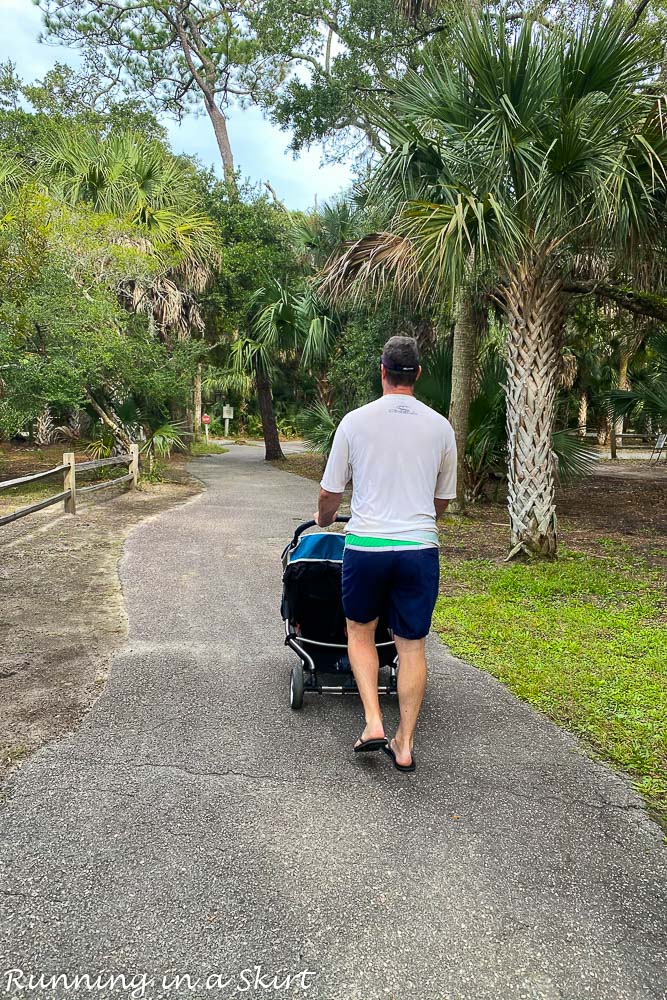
365 667
411 687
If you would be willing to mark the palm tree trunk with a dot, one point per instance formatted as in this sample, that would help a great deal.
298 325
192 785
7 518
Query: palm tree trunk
197 402
463 361
44 427
613 452
269 425
603 429
533 306
582 416
622 384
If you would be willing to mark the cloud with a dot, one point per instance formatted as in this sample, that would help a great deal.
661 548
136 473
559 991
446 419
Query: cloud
260 152
259 147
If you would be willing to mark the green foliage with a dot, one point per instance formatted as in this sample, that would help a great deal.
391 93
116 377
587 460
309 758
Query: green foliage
143 50
140 182
515 144
317 71
582 640
32 113
317 235
101 446
63 333
164 439
486 449
94 224
435 385
354 368
318 426
575 458
252 425
254 240
156 471
337 95
648 395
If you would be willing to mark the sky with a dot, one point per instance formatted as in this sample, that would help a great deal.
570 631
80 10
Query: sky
260 149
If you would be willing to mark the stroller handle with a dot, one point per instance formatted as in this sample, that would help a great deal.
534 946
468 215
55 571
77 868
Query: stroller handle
344 518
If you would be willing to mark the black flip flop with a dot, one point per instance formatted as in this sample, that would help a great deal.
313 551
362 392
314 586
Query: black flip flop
407 768
367 746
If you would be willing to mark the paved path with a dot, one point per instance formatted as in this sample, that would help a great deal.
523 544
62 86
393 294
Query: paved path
193 824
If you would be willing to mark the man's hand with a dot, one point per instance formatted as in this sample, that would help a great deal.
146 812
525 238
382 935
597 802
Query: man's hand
440 507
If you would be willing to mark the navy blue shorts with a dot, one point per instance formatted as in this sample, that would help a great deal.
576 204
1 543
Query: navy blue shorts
400 586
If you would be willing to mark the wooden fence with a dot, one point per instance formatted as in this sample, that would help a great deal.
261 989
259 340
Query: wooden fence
70 491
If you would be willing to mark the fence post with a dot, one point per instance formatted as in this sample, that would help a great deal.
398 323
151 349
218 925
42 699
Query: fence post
69 482
134 465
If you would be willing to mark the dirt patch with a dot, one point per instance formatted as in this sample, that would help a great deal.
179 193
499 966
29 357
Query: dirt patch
23 459
618 504
623 505
61 610
305 464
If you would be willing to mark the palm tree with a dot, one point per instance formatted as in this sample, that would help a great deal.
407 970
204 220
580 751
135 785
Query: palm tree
316 235
146 188
139 182
283 322
533 151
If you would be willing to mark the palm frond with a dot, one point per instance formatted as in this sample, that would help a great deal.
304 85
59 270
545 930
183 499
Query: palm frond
165 438
318 425
274 316
318 328
372 263
575 459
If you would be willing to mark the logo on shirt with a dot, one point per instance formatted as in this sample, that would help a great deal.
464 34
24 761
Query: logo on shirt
401 408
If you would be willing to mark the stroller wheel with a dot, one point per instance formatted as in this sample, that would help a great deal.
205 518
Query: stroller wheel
296 687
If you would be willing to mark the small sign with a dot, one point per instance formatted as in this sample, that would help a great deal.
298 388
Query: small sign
227 412
205 419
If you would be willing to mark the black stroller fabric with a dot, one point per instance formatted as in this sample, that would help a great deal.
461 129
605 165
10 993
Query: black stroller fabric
312 591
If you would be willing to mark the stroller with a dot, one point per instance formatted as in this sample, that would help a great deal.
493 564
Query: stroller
312 610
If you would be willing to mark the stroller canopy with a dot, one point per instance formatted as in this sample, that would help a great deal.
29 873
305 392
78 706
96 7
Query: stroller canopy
321 546
312 587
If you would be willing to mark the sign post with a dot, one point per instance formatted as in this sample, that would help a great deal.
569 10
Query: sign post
228 414
205 419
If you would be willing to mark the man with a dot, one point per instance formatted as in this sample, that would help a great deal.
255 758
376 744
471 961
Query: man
401 456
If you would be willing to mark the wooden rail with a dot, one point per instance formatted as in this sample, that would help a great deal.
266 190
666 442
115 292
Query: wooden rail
102 486
100 463
69 492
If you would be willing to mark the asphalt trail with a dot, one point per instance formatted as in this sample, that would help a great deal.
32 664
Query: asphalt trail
194 825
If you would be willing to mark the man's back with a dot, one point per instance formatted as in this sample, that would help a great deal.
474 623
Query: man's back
400 454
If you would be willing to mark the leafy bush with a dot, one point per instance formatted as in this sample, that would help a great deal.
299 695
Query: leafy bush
318 426
163 440
101 446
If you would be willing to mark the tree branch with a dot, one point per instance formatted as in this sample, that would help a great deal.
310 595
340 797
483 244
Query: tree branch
276 200
308 58
638 12
635 301
187 52
327 56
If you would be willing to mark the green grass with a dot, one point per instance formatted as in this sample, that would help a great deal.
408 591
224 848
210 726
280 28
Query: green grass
199 448
583 639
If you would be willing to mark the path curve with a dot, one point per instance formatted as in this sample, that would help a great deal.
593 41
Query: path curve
194 824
